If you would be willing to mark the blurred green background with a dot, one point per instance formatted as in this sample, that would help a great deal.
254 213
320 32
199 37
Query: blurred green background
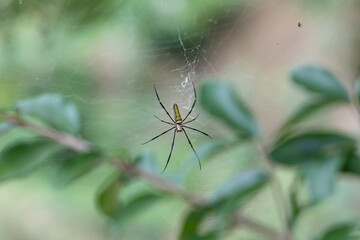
106 55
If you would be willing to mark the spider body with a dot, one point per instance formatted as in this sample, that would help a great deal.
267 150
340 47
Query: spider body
178 125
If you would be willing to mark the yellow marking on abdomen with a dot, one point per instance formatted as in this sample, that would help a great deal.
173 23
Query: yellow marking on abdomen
177 113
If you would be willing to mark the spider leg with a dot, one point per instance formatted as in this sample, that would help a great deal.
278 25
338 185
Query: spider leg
164 121
157 96
193 103
158 136
192 148
191 119
194 129
172 146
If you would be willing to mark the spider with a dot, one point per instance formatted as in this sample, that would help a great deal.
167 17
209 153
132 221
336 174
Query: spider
178 125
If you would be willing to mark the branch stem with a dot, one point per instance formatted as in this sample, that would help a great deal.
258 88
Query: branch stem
281 202
67 140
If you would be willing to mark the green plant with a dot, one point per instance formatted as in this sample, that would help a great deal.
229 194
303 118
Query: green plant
48 129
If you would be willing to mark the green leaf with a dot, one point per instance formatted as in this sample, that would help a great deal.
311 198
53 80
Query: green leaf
221 101
241 186
307 110
345 231
296 207
146 162
352 163
75 166
319 80
52 109
226 197
6 126
204 151
309 146
24 157
110 203
135 206
108 199
320 176
192 222
210 149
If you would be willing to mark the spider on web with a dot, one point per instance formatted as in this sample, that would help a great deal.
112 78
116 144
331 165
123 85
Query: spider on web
178 125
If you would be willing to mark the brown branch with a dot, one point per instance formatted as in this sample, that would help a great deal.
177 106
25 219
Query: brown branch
157 181
79 145
82 146
67 140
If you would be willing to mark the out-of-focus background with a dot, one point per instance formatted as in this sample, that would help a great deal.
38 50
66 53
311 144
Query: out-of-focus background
106 55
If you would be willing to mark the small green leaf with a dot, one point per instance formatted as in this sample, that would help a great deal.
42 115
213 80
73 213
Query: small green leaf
345 231
241 186
134 206
319 80
192 222
76 166
111 204
220 100
300 148
24 157
108 200
307 110
320 176
52 109
295 207
352 162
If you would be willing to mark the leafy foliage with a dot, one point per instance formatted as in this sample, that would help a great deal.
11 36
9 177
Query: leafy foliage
320 81
320 176
224 200
22 158
110 203
220 100
72 166
340 231
238 187
53 110
308 146
318 157
108 200
307 110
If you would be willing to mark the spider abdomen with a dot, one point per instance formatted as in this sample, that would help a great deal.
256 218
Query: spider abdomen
177 114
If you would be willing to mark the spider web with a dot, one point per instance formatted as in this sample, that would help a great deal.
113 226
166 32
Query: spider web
108 60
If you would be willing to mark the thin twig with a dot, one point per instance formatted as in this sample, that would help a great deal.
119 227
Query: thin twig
67 140
281 202
157 181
